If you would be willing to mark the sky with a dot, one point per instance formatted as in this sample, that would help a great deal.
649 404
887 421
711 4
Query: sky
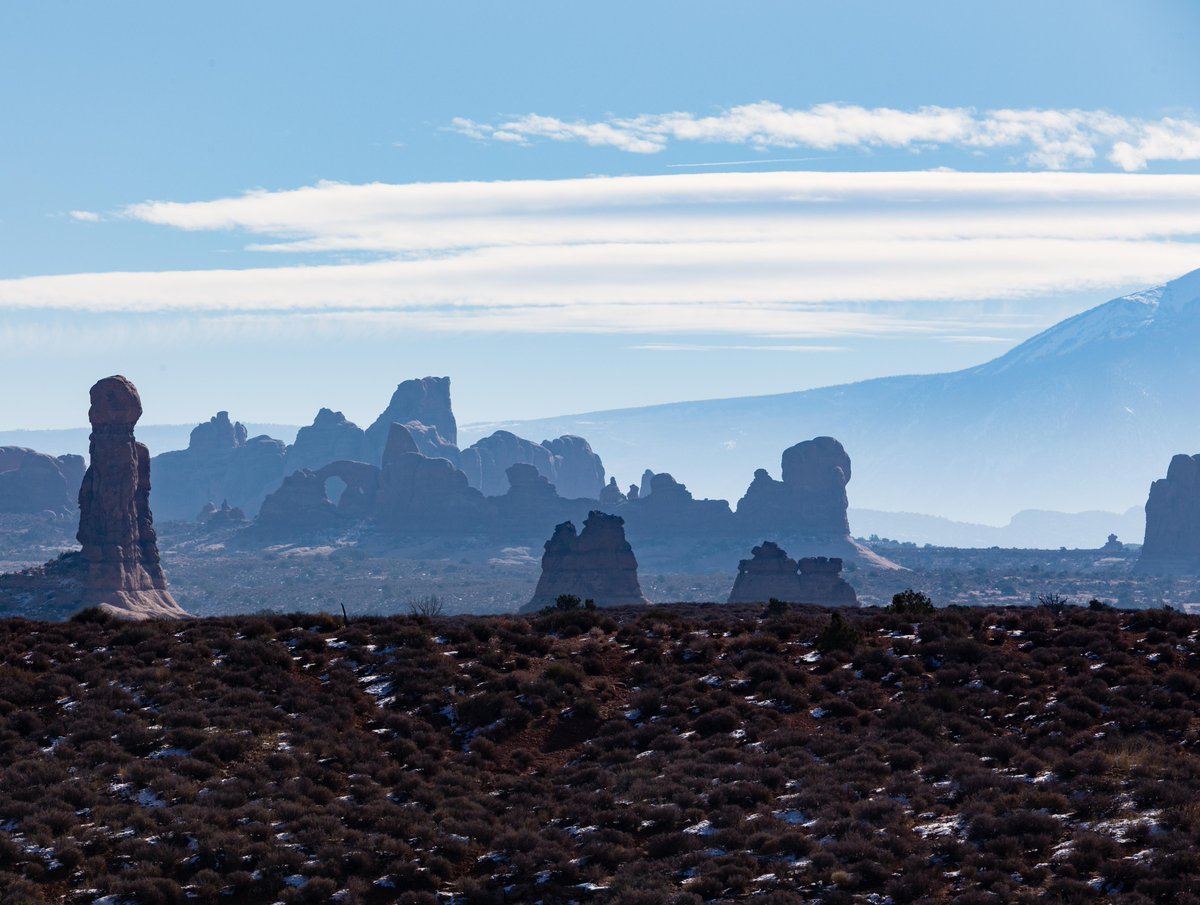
272 207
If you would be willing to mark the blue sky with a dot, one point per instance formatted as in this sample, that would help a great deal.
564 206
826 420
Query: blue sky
544 200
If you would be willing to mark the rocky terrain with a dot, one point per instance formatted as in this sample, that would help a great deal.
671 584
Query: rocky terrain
680 755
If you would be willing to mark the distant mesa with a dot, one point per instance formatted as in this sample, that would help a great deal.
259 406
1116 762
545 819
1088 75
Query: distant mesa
1172 544
118 567
35 482
772 574
596 564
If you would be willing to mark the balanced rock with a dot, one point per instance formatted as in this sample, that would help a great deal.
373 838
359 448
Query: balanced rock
596 564
118 567
1172 544
772 574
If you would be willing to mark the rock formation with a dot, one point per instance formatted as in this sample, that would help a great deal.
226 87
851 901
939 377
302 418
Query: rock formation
811 499
568 463
427 402
420 494
225 516
117 567
220 463
116 529
330 438
486 462
647 479
35 482
578 471
299 506
670 511
611 496
597 564
772 574
1172 544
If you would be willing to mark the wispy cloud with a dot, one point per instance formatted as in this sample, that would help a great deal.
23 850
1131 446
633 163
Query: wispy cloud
1049 139
84 216
774 256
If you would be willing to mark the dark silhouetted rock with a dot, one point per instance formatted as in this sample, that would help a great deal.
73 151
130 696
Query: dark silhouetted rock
634 492
35 482
578 472
532 505
772 574
117 567
810 501
330 438
1112 545
597 564
422 495
220 463
425 401
299 506
669 511
360 495
1172 544
611 495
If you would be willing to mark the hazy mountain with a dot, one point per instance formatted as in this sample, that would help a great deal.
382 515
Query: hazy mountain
1080 417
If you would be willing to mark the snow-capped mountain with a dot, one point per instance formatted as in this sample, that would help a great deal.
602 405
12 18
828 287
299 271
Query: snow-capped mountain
1082 416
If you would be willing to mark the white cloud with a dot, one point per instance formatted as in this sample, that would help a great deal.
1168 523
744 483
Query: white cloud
774 256
85 216
1050 139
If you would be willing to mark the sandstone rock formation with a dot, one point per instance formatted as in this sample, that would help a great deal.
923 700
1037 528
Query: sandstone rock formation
597 564
670 511
35 482
220 463
299 506
116 529
486 462
568 463
330 438
772 574
645 486
611 496
117 567
420 494
224 516
810 500
427 402
1172 544
578 471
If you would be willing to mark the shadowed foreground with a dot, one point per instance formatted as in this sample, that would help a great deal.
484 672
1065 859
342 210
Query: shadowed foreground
677 754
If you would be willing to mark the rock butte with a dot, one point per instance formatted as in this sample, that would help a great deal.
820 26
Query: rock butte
1172 544
596 564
